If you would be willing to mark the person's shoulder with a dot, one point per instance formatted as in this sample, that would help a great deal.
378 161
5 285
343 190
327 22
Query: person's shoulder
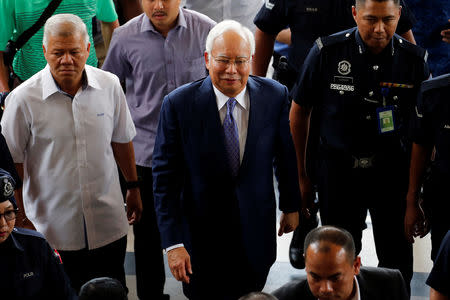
101 75
410 48
266 83
186 89
335 39
436 83
28 233
30 87
198 20
378 274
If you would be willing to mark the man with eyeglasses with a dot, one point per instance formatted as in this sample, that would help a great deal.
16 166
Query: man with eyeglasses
30 269
152 55
218 141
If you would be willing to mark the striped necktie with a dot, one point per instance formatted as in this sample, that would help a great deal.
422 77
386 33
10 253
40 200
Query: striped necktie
231 138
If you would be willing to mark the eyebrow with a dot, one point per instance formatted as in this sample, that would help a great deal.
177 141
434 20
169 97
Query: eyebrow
331 276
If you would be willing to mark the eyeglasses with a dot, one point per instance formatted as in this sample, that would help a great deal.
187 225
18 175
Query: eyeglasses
225 62
9 215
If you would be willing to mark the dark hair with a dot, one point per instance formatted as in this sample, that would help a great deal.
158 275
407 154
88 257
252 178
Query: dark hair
103 288
258 296
358 3
334 235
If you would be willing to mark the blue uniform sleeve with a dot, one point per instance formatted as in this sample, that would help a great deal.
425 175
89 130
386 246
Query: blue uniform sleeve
308 80
440 274
420 129
272 17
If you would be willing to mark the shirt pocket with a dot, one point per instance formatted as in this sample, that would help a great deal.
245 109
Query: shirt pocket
193 68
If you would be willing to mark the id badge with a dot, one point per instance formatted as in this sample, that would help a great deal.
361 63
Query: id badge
385 116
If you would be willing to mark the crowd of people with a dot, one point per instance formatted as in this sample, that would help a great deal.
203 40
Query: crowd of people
180 134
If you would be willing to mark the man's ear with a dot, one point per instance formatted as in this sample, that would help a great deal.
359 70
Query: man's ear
43 49
354 12
356 265
88 47
206 60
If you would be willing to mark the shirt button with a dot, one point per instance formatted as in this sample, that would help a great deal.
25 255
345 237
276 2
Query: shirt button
395 98
341 92
371 93
368 117
347 35
375 68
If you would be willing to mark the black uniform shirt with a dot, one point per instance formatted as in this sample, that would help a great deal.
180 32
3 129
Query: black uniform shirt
432 121
30 269
310 19
341 80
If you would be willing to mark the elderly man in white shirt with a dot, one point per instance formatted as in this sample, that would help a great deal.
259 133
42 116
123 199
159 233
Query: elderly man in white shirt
66 127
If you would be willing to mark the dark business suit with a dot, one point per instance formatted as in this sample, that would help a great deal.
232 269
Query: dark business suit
229 222
374 284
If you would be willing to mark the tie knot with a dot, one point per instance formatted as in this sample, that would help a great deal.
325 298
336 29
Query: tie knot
231 103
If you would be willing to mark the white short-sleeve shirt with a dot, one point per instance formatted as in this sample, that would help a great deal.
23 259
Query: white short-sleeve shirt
71 189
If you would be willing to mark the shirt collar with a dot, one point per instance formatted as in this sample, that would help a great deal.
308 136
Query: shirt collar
50 86
222 98
362 48
357 295
148 26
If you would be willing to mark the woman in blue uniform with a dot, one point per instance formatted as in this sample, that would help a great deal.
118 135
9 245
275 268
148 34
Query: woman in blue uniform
30 269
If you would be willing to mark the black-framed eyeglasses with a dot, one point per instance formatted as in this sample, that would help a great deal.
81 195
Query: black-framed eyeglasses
9 214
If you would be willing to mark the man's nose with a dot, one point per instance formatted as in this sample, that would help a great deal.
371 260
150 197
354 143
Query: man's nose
231 67
160 4
379 26
66 58
326 287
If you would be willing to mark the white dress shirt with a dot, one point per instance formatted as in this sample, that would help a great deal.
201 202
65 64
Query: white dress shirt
241 113
71 189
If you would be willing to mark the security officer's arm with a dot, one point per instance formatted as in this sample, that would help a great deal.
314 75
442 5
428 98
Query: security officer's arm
299 122
284 36
414 222
263 52
409 36
21 220
446 35
124 155
435 295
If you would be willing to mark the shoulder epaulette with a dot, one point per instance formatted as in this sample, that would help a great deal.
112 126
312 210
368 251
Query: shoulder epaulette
335 38
436 83
411 48
28 232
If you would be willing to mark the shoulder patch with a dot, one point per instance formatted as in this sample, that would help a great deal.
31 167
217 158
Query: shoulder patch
436 83
336 38
411 48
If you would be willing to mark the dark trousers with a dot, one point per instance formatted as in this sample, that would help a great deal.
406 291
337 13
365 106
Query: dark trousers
150 274
345 196
84 265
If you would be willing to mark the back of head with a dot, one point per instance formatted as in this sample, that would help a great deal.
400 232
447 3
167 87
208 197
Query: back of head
334 235
258 296
103 288
64 25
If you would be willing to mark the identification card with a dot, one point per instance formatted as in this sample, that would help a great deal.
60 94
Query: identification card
385 117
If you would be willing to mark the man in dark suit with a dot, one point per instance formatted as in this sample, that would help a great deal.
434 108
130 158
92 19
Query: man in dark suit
333 271
218 140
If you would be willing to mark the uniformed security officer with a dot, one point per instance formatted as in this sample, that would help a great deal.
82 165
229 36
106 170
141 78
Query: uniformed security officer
360 85
308 20
431 129
29 267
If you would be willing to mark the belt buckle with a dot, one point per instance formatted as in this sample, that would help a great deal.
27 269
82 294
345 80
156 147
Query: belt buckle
362 162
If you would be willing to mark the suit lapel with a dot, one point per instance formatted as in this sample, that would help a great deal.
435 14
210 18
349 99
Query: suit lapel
255 120
211 136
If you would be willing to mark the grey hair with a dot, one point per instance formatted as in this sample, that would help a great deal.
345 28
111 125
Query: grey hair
228 25
53 27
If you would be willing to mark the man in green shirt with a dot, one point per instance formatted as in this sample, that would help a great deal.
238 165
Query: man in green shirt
19 15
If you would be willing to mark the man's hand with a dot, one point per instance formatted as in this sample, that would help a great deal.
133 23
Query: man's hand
134 205
415 222
446 35
288 222
180 264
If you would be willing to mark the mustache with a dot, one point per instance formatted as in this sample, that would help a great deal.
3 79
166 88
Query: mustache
159 12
